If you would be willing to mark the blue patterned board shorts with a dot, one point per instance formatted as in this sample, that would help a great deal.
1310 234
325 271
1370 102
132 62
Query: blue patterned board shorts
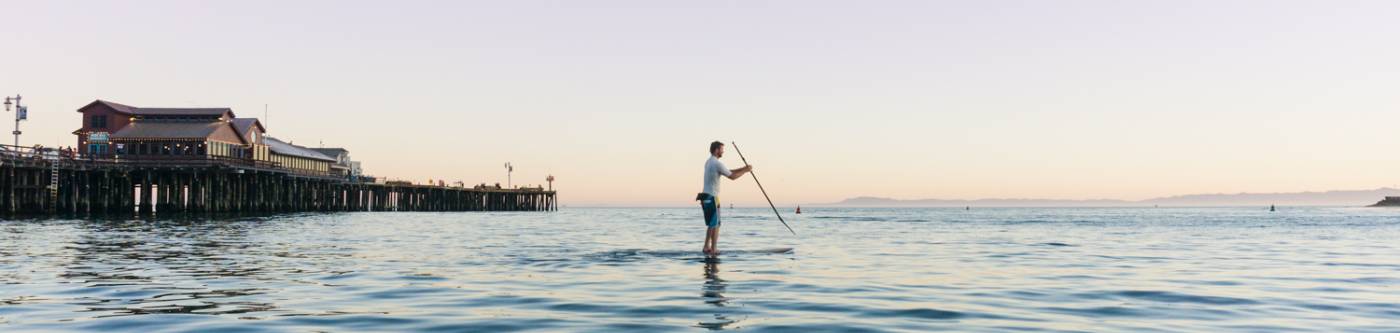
709 204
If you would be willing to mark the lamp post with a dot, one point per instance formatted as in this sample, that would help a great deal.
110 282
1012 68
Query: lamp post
509 169
21 113
550 179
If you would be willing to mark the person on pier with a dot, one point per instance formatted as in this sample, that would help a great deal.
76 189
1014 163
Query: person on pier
709 196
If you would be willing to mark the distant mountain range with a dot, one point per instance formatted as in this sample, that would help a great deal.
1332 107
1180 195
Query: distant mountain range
1330 198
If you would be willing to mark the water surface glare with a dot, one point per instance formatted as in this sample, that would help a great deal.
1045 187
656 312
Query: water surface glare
638 269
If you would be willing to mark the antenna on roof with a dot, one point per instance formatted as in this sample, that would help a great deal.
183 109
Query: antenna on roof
264 120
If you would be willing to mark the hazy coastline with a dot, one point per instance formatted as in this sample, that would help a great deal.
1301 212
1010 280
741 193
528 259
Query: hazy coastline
1339 198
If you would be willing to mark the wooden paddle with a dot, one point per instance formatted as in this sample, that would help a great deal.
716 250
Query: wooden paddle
760 188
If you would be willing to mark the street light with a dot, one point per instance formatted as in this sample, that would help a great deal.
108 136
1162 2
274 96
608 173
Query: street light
509 169
550 179
21 113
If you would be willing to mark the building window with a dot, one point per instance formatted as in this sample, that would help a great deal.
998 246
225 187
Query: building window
98 122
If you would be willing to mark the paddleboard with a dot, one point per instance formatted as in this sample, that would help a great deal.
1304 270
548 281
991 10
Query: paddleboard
776 250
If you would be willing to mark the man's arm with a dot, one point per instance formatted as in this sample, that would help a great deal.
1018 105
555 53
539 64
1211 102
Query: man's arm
736 173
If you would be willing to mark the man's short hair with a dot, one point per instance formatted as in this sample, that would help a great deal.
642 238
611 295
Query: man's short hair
715 145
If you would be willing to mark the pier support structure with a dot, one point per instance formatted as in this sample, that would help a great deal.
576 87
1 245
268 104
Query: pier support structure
39 186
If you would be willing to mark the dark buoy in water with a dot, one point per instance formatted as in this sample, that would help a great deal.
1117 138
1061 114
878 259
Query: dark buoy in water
968 208
799 209
1272 208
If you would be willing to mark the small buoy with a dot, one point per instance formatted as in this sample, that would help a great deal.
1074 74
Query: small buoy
1272 208
799 209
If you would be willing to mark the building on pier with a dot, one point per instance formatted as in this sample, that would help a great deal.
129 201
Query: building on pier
160 131
122 131
343 166
298 158
119 131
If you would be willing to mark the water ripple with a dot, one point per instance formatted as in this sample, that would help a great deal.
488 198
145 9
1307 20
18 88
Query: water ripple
638 270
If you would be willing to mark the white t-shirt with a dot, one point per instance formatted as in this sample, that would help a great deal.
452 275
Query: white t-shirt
713 169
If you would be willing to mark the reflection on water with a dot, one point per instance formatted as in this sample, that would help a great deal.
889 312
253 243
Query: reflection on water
712 291
619 270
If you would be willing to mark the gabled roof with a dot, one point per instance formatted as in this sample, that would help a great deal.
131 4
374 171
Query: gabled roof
243 124
168 130
123 108
283 148
140 111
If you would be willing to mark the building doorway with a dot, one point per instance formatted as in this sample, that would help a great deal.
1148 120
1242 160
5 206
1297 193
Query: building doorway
97 149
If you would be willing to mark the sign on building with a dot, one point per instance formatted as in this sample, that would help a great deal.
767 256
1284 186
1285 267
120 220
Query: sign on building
97 137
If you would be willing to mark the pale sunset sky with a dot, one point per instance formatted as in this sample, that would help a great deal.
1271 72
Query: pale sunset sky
829 99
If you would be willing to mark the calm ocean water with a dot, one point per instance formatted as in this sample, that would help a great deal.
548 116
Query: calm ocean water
614 270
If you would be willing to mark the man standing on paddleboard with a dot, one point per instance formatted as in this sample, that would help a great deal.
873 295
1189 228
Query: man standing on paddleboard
709 197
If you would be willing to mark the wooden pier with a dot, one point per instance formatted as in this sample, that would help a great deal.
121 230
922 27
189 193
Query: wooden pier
43 181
